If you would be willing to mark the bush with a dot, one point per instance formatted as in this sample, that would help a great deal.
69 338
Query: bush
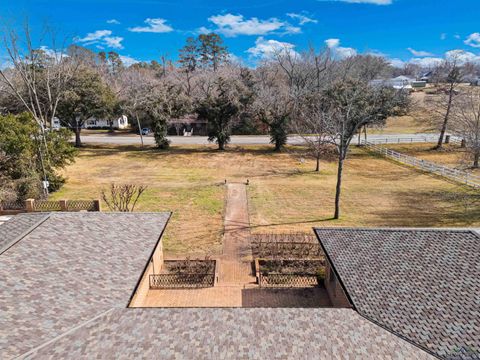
160 130
28 158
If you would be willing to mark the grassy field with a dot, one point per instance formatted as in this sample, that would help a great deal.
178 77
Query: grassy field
402 125
284 193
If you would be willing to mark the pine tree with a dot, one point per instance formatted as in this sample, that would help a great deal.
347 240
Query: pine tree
211 50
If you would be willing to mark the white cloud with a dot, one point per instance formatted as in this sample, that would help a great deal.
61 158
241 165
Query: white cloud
267 48
331 43
419 53
102 38
397 63
302 18
462 56
113 42
127 60
473 40
154 25
95 36
375 2
235 59
57 55
232 25
426 62
339 51
113 22
5 63
443 36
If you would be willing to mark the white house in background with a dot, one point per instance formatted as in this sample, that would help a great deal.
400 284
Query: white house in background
92 123
399 83
120 123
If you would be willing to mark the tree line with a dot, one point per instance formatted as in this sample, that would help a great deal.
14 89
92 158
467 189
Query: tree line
324 99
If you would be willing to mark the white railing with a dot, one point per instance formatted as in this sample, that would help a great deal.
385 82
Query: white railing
408 139
460 176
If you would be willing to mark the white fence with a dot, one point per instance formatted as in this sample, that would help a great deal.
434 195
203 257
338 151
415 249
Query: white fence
450 173
409 139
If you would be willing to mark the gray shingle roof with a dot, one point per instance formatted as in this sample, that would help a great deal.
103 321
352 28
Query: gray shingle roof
17 227
423 285
231 334
69 269
66 285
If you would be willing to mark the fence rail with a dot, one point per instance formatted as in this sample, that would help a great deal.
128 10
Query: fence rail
181 281
286 250
45 206
82 205
288 280
12 205
460 176
409 139
31 205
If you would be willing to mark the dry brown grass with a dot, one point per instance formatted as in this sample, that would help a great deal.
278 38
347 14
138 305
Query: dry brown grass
284 194
451 155
409 124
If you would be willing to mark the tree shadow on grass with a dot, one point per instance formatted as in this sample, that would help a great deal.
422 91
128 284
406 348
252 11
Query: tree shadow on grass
261 226
428 209
151 150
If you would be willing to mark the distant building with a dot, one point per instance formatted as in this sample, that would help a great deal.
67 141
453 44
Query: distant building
475 81
426 76
120 123
93 123
188 124
399 83
419 84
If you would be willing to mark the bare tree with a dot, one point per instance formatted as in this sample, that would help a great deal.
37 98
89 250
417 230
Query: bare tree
311 125
38 76
449 73
123 197
310 119
466 123
136 84
273 107
348 106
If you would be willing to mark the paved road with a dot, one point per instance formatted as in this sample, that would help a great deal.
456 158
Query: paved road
241 140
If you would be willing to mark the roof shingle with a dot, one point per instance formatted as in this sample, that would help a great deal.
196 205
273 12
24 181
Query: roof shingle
72 267
231 334
423 285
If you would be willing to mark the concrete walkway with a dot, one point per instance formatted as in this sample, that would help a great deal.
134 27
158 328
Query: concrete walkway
235 265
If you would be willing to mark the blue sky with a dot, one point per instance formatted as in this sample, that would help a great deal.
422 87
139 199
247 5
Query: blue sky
422 30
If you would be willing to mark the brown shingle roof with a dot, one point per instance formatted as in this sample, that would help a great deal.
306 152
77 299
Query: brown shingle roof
231 334
69 269
65 286
17 227
423 285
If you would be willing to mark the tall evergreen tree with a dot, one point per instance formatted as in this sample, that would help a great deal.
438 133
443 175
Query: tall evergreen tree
189 54
211 50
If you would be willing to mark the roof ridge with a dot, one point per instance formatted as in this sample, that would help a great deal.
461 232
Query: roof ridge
65 333
386 328
16 239
473 231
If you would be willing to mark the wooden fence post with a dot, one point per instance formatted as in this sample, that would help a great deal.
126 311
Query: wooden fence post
29 205
63 205
98 206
